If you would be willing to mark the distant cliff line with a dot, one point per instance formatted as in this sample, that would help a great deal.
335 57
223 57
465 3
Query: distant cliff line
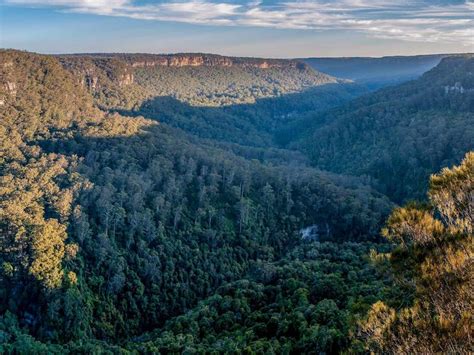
194 60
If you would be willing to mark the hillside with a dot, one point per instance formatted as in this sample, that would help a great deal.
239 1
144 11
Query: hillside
114 226
376 72
397 136
238 100
196 79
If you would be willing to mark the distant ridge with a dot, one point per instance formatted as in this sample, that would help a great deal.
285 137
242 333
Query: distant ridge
195 59
398 135
200 79
377 72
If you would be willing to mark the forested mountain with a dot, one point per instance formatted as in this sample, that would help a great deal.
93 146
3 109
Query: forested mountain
239 100
397 136
143 212
124 80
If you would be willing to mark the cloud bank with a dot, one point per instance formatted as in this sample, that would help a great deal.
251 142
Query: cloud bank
416 21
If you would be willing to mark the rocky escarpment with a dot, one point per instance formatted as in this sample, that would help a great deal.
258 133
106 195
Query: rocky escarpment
8 86
94 73
196 60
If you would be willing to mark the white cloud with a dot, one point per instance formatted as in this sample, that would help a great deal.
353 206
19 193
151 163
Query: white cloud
403 20
99 7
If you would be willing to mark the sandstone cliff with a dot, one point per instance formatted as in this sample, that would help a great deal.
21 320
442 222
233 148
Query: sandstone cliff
198 59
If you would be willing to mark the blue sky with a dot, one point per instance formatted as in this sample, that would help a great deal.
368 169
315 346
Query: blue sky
271 28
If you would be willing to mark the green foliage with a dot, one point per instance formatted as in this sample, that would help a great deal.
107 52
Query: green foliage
239 104
280 306
435 254
221 86
397 136
112 226
126 235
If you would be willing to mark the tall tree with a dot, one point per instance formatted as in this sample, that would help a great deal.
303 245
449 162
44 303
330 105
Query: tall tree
435 254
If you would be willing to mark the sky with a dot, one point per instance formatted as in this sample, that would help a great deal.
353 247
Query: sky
267 28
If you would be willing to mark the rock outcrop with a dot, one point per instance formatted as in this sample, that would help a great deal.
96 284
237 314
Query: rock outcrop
90 81
456 88
197 60
11 88
95 73
125 79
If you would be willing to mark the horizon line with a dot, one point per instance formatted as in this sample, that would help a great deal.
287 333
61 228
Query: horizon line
236 56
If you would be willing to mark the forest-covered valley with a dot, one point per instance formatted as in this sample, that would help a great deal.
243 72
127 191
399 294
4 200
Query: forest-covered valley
195 203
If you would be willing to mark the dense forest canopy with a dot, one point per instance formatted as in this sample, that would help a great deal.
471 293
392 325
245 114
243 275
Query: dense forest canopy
199 80
397 136
148 205
229 102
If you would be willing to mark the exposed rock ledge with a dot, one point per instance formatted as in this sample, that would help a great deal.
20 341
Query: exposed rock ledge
196 60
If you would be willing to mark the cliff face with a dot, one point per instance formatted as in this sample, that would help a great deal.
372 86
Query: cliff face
182 61
196 60
8 84
192 60
94 73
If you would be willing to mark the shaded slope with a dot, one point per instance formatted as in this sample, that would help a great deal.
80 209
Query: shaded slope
398 135
238 100
124 80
